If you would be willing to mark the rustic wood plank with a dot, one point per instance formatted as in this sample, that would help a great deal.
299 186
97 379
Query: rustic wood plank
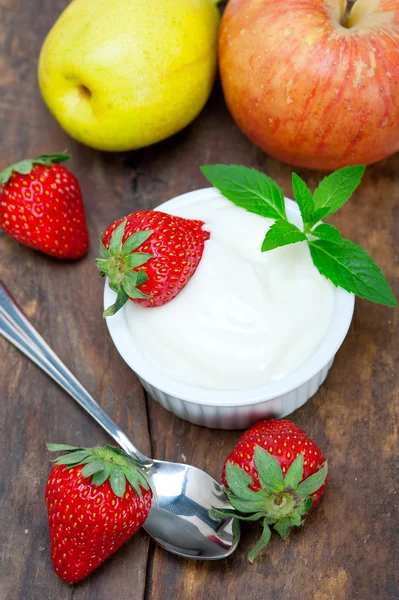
64 301
347 548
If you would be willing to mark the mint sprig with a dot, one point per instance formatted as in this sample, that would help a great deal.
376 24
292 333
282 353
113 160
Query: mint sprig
341 261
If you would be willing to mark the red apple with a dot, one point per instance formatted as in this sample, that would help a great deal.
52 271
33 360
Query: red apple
312 83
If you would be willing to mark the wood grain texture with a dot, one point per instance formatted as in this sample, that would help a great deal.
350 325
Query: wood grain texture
64 302
347 549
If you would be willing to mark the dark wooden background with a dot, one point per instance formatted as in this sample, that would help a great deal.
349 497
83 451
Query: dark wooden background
347 549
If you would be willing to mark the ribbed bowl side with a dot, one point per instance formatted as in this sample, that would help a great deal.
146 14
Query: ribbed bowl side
239 417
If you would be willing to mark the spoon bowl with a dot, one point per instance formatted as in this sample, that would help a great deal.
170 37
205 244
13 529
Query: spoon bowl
179 520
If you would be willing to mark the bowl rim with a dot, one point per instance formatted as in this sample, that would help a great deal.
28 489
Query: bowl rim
321 357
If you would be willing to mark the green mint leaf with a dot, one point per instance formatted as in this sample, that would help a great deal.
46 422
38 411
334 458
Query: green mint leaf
238 482
135 240
137 259
349 266
248 188
324 231
283 527
261 543
101 476
115 243
93 467
121 299
304 197
318 214
294 473
337 188
313 483
118 481
282 233
269 470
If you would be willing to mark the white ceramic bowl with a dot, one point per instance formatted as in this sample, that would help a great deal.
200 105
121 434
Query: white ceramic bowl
235 409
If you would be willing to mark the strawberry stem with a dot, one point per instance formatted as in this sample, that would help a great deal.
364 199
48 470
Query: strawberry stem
24 167
119 262
281 501
102 463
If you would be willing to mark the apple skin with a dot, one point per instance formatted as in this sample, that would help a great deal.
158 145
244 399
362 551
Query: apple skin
307 90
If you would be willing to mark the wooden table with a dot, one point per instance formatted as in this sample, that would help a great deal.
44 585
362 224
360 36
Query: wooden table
347 548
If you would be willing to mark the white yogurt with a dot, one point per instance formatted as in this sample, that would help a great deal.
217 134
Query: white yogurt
246 318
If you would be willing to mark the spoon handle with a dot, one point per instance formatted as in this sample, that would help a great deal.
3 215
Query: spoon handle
18 330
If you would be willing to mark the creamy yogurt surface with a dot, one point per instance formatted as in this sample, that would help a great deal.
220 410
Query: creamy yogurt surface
245 318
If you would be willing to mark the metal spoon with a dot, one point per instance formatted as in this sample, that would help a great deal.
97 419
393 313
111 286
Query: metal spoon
180 522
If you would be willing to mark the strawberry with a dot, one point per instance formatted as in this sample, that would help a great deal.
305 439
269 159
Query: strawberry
274 474
264 426
167 249
97 498
41 207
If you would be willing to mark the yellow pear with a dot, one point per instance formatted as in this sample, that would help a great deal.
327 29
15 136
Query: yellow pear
123 74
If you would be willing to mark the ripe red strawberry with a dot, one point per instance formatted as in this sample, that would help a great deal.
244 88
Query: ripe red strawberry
275 474
167 249
265 426
97 498
41 207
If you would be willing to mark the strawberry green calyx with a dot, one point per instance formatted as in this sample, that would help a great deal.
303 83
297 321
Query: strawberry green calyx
118 263
281 502
102 463
24 167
